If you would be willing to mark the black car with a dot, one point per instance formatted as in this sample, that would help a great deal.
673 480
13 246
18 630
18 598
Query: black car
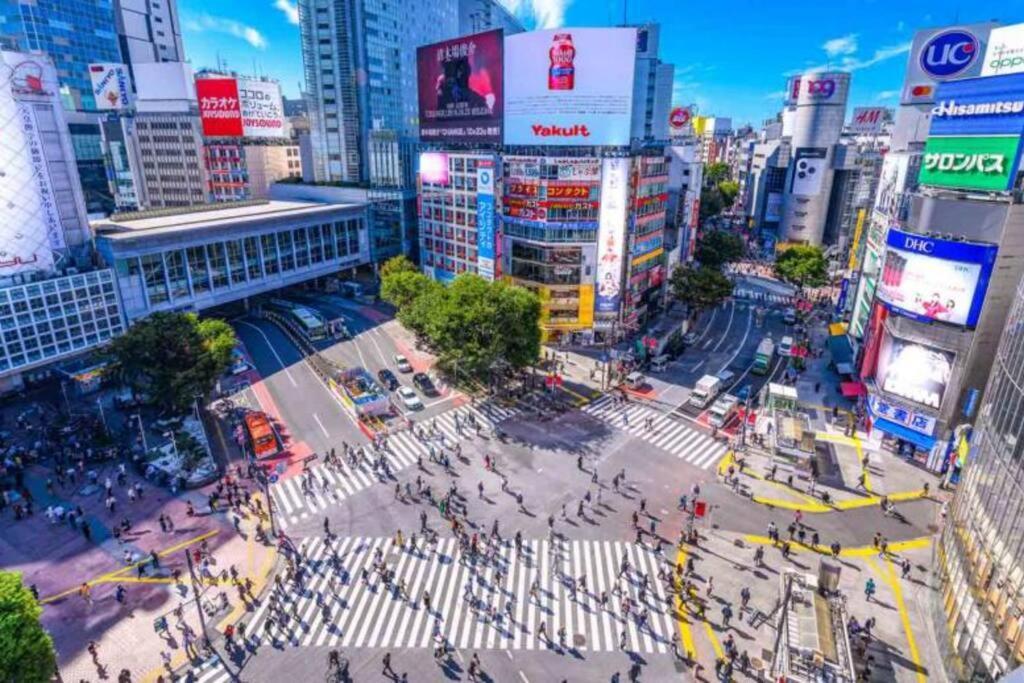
388 379
424 384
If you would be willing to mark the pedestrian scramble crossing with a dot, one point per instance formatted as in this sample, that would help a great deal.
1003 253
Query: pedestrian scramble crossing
769 297
332 485
667 433
461 594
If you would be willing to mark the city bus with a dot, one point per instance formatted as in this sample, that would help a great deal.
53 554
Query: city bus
261 435
304 320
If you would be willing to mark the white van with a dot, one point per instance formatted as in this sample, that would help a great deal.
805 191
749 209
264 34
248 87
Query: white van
635 380
659 363
786 346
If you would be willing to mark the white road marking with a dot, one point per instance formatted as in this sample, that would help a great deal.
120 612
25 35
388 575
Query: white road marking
321 424
272 350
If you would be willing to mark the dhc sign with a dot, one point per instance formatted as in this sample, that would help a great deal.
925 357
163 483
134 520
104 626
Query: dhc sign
992 105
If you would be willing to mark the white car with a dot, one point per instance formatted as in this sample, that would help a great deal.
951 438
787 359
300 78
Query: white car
403 364
786 346
409 398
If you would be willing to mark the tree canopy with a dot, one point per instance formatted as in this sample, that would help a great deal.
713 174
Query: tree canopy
715 173
729 189
26 649
711 203
173 357
397 264
700 287
802 265
715 248
471 323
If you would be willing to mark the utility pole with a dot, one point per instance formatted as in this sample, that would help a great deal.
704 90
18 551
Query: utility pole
195 592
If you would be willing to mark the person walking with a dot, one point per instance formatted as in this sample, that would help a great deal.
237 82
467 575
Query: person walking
388 671
869 590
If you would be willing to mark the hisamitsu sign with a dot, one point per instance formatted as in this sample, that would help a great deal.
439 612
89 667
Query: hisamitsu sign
993 105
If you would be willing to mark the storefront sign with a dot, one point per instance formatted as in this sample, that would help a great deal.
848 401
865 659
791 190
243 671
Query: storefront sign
921 423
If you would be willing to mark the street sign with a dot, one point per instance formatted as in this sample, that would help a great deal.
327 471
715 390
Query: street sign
700 508
273 478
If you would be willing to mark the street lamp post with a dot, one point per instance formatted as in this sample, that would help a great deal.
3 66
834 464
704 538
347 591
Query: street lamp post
265 480
103 416
142 432
195 592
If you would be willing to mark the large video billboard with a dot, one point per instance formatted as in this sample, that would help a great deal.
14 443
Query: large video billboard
809 166
611 234
460 89
933 279
569 86
913 371
971 162
232 108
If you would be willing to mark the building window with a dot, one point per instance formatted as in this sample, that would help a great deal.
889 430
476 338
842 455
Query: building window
270 258
153 275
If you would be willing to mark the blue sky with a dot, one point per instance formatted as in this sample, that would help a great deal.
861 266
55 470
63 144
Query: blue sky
731 57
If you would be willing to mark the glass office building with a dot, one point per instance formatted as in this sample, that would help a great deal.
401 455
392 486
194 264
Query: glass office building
979 612
74 33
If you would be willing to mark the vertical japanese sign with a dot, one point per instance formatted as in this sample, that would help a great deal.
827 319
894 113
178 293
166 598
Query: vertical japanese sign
30 224
485 238
262 109
611 233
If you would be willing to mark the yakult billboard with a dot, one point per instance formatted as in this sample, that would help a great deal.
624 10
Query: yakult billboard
569 86
460 89
232 108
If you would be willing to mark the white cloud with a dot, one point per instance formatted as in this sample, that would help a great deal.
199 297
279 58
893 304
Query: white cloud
900 25
290 9
886 94
542 13
850 63
844 45
778 95
209 23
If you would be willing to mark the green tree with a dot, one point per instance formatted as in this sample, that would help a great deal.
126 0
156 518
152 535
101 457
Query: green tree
420 310
700 287
173 357
718 247
26 649
803 265
397 264
478 322
711 203
715 173
729 189
401 288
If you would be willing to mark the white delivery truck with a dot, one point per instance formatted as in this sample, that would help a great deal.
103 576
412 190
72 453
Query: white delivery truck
722 411
705 391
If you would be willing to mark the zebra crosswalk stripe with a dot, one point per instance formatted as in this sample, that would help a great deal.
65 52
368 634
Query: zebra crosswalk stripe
374 617
344 480
665 432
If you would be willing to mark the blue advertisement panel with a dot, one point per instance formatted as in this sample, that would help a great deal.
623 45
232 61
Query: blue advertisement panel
932 279
485 218
993 105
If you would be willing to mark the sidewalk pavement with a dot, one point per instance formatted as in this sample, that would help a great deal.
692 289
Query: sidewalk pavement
792 488
902 647
58 560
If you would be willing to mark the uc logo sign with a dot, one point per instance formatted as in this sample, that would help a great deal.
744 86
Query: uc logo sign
949 53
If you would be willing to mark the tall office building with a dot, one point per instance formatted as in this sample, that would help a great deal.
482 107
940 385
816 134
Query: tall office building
149 31
977 613
360 64
476 16
652 88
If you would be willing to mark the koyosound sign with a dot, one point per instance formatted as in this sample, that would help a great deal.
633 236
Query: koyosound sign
971 163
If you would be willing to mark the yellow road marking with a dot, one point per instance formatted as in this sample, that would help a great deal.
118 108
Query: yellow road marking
815 507
894 584
685 633
117 574
719 652
860 551
582 400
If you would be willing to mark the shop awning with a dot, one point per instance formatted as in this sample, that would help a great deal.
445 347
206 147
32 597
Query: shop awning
839 347
853 389
899 431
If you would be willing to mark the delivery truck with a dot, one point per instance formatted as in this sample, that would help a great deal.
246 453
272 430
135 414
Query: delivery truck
705 391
